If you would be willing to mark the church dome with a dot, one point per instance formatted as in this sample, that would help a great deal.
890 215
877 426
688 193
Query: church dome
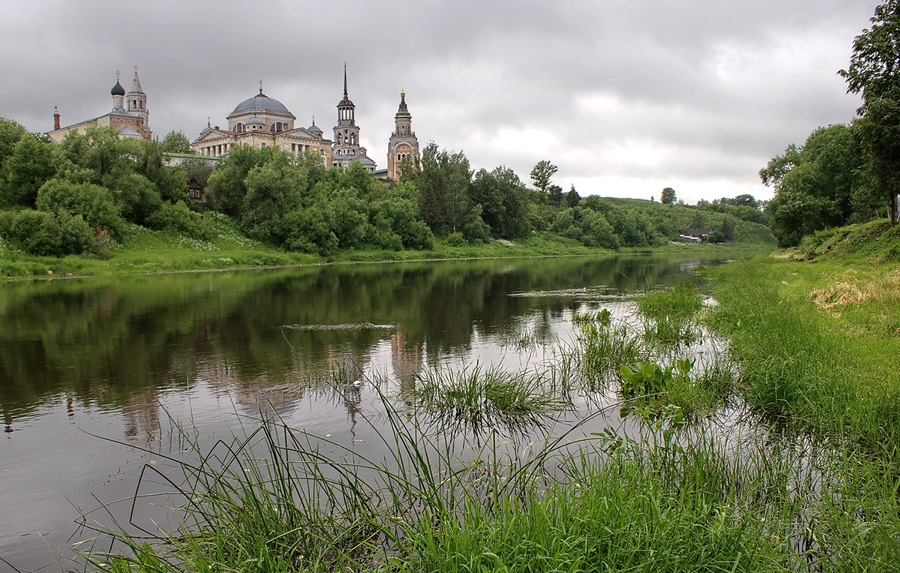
260 103
256 121
117 89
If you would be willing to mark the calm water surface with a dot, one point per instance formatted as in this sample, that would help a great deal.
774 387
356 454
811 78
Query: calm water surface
97 375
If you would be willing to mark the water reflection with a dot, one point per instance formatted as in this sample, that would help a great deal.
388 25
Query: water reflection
128 359
120 343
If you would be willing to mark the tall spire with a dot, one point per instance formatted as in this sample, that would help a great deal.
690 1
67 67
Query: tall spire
136 83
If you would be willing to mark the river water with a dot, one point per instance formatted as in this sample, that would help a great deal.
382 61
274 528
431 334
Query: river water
103 377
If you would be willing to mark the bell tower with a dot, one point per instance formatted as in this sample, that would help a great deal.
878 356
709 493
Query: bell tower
137 102
346 132
403 141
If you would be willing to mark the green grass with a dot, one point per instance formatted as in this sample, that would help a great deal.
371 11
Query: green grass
828 370
813 487
666 500
143 250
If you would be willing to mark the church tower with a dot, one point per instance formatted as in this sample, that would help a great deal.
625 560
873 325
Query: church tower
346 135
137 103
403 141
118 94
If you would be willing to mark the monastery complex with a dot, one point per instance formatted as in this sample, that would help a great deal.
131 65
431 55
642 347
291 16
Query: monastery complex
261 121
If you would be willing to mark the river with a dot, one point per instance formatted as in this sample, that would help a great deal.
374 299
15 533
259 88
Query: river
102 377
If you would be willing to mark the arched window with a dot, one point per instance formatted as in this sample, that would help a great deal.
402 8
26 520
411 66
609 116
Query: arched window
239 127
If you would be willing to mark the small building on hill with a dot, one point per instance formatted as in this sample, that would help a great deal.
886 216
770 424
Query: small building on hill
129 116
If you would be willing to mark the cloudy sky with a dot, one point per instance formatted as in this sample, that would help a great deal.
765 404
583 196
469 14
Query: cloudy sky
625 96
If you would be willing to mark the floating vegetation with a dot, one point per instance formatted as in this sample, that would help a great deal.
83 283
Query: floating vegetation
670 316
653 391
475 400
348 326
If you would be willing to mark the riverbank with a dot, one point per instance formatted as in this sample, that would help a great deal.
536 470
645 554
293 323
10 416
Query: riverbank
817 333
146 251
811 486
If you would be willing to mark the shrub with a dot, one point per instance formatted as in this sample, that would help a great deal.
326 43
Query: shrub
46 234
180 219
95 204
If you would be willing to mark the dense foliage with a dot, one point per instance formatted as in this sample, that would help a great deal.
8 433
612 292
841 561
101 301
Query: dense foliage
847 174
79 197
825 183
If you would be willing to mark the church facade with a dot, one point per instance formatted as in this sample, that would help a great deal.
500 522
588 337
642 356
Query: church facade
129 116
261 121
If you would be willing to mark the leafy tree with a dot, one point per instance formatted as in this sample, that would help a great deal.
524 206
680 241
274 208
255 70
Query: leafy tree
10 134
542 173
443 184
176 142
227 181
273 190
572 197
136 196
668 196
817 185
555 196
874 71
93 203
28 167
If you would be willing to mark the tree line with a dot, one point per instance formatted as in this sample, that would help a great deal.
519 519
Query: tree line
80 196
846 173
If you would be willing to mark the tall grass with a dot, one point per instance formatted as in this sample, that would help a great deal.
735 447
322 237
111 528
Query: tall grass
478 400
664 500
799 364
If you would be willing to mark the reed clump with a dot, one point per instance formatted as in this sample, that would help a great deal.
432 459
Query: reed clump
476 399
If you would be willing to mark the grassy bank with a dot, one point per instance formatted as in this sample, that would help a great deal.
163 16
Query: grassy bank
813 488
817 332
143 250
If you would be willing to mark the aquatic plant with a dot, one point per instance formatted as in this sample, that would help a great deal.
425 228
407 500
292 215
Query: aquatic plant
476 399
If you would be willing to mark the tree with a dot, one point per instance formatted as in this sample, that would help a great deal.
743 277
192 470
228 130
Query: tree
822 184
668 196
28 167
555 195
874 72
443 185
542 173
572 197
176 142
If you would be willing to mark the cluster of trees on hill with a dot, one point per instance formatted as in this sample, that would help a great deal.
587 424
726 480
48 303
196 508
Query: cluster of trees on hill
76 197
79 196
846 173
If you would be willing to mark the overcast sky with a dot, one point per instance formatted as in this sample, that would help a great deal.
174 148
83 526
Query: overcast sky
625 96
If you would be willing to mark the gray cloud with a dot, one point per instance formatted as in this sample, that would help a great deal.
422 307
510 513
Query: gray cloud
625 96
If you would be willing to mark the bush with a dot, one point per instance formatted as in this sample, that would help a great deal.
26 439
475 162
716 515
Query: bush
93 203
46 234
180 219
456 239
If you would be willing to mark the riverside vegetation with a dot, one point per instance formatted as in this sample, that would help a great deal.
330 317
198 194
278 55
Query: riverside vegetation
810 484
97 204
